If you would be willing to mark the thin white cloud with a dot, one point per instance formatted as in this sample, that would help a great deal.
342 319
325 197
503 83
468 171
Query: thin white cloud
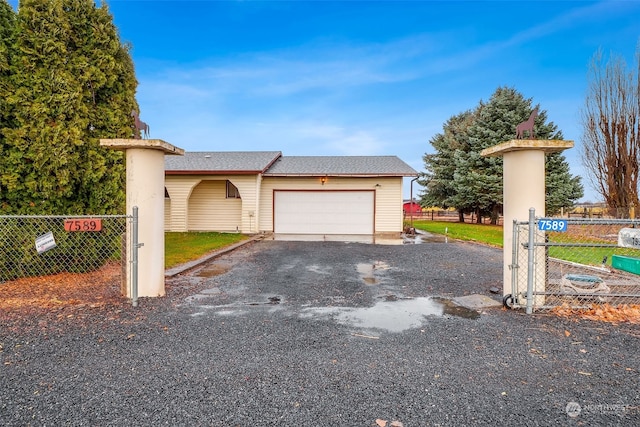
338 140
315 66
467 58
574 17
263 85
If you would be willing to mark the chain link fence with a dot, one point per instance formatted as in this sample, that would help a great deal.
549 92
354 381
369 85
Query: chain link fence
34 246
574 262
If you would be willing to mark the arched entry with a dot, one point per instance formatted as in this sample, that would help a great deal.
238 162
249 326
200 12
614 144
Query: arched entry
215 205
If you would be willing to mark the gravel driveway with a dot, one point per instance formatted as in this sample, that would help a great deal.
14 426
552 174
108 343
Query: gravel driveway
283 333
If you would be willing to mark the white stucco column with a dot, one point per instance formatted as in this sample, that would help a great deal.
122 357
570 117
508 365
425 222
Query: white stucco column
145 189
523 188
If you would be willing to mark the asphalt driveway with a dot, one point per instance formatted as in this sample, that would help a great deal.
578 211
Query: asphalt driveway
323 334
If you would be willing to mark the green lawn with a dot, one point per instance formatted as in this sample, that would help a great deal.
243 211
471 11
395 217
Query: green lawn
183 247
482 233
492 235
587 255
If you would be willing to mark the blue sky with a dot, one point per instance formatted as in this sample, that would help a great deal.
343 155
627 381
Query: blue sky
358 77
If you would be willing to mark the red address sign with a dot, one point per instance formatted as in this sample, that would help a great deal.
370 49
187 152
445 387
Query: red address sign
83 224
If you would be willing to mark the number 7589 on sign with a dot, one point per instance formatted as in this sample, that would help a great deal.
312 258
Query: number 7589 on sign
83 224
552 224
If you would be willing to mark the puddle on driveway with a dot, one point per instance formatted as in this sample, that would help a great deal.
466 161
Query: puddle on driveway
419 237
367 271
212 270
394 315
270 301
319 269
202 299
424 237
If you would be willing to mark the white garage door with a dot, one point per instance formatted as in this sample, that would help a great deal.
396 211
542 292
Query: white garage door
323 212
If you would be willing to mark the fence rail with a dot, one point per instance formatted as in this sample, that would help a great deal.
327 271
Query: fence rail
580 263
596 211
38 245
442 215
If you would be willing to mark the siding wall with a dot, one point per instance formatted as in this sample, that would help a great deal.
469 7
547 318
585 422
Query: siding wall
248 187
167 214
179 189
388 198
210 210
197 203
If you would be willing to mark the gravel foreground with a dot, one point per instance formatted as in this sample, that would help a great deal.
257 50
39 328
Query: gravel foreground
267 336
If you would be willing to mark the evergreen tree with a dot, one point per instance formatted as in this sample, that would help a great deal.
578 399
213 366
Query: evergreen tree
107 77
476 182
562 189
7 45
74 83
440 168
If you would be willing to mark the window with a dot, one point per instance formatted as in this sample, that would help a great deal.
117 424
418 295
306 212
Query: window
232 191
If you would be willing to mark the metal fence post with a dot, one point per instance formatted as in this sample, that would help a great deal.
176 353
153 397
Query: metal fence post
134 257
514 261
531 260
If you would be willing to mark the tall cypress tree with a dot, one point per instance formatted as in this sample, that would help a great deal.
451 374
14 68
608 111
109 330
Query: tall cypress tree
106 74
7 47
74 83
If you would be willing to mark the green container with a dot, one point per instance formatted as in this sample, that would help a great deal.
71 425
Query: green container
626 263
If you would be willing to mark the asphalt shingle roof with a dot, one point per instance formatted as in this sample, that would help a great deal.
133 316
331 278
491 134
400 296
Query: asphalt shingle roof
340 165
225 161
272 163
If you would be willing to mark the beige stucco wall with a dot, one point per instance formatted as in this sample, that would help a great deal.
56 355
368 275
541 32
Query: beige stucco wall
145 168
524 188
145 162
388 198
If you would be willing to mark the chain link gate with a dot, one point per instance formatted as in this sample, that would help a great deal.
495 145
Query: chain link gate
574 262
44 245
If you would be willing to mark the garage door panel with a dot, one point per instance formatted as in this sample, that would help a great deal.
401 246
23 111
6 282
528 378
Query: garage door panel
324 212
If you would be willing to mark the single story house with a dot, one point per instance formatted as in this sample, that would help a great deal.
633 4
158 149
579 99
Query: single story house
264 191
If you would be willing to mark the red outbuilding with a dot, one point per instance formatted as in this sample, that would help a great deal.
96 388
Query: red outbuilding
410 207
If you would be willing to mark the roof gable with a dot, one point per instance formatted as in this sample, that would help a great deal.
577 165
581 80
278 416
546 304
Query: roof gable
227 162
